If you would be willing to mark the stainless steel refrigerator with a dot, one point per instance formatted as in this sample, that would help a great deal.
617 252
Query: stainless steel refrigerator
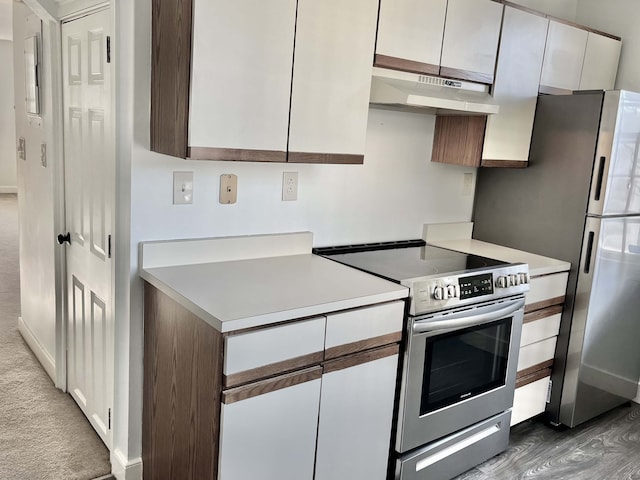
579 201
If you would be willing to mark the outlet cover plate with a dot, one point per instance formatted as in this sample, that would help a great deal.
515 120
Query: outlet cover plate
228 188
182 188
289 186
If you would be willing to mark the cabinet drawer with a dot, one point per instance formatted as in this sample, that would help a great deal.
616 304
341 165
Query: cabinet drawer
530 400
542 328
546 290
269 351
364 328
536 354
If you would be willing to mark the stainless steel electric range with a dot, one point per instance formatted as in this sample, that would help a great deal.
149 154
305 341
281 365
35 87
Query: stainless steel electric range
460 356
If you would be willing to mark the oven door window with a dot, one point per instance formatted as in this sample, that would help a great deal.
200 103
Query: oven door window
465 363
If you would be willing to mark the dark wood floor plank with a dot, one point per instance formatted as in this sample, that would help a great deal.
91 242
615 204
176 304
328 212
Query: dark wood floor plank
605 448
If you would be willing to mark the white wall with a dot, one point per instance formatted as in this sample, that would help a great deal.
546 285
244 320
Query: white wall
36 203
6 30
8 175
619 17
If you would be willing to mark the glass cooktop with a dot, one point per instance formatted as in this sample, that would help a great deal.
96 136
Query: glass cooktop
404 260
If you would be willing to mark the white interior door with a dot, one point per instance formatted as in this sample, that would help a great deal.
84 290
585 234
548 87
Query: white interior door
89 201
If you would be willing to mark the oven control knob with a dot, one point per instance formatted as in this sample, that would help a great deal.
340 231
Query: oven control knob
524 277
453 291
440 293
502 282
514 280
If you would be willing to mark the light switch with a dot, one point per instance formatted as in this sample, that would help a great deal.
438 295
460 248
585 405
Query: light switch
43 155
228 188
182 188
22 149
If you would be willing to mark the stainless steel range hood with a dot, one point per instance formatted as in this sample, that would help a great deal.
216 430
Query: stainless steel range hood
434 95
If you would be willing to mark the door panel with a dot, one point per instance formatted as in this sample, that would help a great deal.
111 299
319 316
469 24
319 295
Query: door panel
89 184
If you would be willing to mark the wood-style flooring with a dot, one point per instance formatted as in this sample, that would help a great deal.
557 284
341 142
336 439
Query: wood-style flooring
605 448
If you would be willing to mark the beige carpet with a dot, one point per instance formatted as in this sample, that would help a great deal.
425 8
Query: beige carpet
43 434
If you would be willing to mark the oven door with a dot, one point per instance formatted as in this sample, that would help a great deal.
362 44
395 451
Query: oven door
459 369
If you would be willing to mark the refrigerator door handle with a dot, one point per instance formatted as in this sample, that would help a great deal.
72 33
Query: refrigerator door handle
598 191
587 260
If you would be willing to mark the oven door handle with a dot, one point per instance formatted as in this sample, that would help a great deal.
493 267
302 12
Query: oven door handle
456 322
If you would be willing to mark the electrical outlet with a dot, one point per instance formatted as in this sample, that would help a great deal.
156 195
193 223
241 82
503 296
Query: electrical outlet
22 149
467 184
43 155
182 188
289 186
228 188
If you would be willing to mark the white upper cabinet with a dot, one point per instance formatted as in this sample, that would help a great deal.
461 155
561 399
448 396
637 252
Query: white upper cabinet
600 62
410 35
241 74
508 134
470 43
563 57
331 80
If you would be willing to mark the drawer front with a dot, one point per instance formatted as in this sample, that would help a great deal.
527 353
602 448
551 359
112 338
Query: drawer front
541 329
545 289
530 400
356 330
269 351
536 353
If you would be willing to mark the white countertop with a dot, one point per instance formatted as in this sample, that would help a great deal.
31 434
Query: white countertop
231 295
538 265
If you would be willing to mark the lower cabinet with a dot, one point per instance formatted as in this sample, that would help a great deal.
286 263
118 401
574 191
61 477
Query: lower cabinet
310 399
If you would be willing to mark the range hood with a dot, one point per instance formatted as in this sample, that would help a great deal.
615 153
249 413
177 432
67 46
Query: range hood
435 95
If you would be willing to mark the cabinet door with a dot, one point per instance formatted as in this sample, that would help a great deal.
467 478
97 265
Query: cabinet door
331 80
563 58
515 89
241 79
410 35
268 429
600 63
470 43
356 410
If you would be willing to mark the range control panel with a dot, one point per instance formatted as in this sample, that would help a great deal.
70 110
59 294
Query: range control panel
452 291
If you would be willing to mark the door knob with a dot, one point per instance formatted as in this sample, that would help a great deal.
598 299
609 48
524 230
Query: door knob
64 238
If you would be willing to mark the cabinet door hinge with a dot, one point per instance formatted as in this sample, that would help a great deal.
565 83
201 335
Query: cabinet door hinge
109 246
109 419
108 49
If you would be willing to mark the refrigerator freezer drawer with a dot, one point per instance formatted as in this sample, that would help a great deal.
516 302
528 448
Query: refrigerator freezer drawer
456 453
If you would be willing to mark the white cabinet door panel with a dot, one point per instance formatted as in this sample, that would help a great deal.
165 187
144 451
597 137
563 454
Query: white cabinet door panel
245 351
356 410
471 33
508 134
270 436
563 56
241 73
536 353
542 329
411 29
547 287
363 323
600 63
332 76
529 400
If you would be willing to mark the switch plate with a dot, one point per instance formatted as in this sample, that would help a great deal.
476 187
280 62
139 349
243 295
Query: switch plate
43 155
22 148
289 186
182 188
228 188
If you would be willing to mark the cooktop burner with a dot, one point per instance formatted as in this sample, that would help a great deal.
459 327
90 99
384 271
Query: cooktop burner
404 260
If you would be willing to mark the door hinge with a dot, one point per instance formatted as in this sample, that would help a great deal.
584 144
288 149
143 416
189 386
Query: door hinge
109 246
108 49
109 419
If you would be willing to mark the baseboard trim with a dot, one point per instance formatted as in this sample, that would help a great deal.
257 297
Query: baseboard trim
8 189
45 359
125 469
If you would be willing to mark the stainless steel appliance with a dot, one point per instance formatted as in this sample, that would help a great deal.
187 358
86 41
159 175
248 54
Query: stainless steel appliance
579 201
459 365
